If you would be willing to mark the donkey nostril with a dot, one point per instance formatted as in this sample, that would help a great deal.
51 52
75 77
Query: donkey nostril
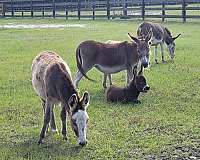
147 88
82 143
145 65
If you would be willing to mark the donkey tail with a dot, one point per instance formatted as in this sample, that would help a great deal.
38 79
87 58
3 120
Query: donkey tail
79 64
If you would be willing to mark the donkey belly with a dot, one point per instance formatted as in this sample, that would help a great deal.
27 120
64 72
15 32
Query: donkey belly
155 41
110 69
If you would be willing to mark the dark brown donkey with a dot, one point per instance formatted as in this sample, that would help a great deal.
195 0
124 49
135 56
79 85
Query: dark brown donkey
160 36
51 79
131 92
111 58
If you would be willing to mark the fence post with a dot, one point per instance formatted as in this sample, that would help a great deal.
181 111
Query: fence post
66 9
108 9
12 8
32 8
43 9
163 12
22 9
124 7
79 9
184 10
93 10
143 10
3 10
54 6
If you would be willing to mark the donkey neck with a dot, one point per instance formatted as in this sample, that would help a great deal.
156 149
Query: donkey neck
167 36
131 53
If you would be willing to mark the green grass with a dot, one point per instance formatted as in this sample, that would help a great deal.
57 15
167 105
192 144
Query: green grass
164 125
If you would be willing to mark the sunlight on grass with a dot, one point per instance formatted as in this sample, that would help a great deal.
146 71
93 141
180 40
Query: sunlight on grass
165 123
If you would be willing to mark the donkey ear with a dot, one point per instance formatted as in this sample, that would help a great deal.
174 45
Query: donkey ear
141 70
73 101
149 35
85 100
176 37
134 38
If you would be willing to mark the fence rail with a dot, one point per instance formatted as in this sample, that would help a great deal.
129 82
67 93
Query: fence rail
101 8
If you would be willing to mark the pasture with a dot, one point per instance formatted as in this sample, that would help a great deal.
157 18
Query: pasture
166 125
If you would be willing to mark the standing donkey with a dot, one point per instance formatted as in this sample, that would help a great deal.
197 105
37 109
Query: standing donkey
111 58
160 36
51 79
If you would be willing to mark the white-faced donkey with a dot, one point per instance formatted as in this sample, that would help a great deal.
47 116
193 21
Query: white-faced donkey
131 92
51 79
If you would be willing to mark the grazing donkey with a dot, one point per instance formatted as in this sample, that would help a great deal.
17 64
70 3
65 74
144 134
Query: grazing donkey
111 58
160 36
51 79
131 92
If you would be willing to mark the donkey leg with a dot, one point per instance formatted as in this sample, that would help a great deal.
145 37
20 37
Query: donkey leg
79 75
48 107
110 78
52 121
104 80
43 105
156 54
63 118
77 78
129 74
162 52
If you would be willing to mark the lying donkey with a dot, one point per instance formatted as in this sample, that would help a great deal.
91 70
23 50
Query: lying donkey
51 79
111 58
160 36
131 92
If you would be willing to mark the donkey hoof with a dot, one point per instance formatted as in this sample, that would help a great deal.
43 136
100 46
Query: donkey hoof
41 141
54 131
137 101
65 138
156 61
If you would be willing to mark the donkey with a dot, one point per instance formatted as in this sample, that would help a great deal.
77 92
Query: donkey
51 80
111 58
160 36
131 92
109 75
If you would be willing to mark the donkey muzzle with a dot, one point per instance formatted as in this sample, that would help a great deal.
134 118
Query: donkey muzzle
82 143
146 88
146 64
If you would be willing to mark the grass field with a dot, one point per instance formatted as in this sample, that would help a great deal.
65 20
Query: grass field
166 125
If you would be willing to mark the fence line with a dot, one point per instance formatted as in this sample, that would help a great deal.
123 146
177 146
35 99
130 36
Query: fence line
123 8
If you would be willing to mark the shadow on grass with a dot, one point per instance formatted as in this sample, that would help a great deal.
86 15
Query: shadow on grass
51 149
160 63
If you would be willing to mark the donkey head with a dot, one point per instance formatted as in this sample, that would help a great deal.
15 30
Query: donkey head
143 48
170 42
171 46
79 116
140 81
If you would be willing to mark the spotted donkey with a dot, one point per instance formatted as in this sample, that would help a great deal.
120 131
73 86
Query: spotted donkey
51 79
